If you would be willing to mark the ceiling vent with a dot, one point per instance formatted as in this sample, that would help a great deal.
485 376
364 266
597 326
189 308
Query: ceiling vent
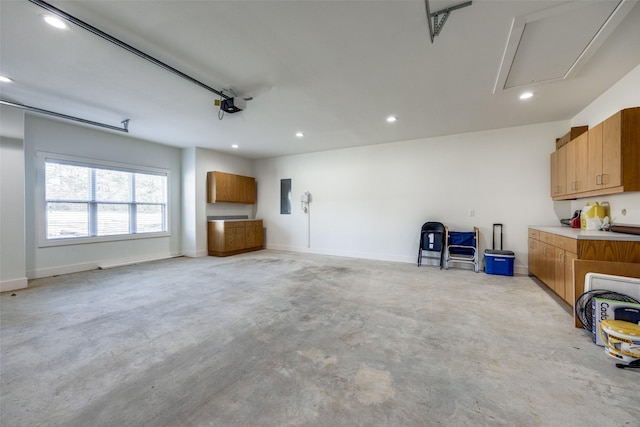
555 43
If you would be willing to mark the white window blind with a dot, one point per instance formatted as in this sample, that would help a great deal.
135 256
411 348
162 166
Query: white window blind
85 200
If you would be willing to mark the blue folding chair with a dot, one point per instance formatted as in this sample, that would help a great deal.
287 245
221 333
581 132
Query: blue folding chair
462 247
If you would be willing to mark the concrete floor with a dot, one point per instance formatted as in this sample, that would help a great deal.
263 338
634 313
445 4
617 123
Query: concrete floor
283 339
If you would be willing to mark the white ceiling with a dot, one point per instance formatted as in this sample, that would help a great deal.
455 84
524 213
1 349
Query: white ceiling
331 69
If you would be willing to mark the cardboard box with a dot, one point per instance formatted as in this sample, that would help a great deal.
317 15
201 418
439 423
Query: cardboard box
572 134
610 309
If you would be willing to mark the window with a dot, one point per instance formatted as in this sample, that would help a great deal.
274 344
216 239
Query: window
96 202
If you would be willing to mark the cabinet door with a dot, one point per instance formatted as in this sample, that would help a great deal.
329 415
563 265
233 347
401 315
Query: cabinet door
561 169
219 187
558 171
612 151
547 267
234 236
553 160
559 269
251 191
240 238
254 234
568 277
571 171
215 238
534 257
580 153
247 189
594 158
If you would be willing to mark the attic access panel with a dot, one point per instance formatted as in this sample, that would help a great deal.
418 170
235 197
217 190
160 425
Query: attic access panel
555 43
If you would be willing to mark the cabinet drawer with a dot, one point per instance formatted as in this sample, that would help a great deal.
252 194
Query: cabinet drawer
534 234
253 223
547 237
566 243
229 225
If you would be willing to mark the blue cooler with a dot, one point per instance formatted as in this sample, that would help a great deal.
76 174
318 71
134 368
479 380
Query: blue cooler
499 262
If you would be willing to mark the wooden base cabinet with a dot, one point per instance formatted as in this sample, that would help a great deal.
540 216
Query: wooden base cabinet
234 237
551 258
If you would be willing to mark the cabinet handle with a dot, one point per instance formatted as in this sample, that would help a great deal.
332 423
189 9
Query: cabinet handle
602 178
598 179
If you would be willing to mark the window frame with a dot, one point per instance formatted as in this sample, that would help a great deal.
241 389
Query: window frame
41 201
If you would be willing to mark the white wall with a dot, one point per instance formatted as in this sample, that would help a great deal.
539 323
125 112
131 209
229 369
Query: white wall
48 135
12 228
370 202
624 94
189 203
367 202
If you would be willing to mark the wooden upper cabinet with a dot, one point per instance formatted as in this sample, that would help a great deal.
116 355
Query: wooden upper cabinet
605 160
230 188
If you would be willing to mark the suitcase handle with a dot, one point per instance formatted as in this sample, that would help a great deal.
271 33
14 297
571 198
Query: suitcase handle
493 243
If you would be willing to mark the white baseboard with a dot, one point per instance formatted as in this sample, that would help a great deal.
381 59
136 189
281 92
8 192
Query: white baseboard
13 284
130 261
346 254
410 259
93 265
62 269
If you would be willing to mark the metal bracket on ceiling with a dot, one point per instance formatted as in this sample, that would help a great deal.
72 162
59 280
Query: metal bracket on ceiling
437 19
125 123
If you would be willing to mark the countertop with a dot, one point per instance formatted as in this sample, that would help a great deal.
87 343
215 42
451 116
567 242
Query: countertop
577 233
238 220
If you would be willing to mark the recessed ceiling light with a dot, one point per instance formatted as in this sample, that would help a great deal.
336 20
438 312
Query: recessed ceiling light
234 146
5 79
392 119
526 95
55 22
299 134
